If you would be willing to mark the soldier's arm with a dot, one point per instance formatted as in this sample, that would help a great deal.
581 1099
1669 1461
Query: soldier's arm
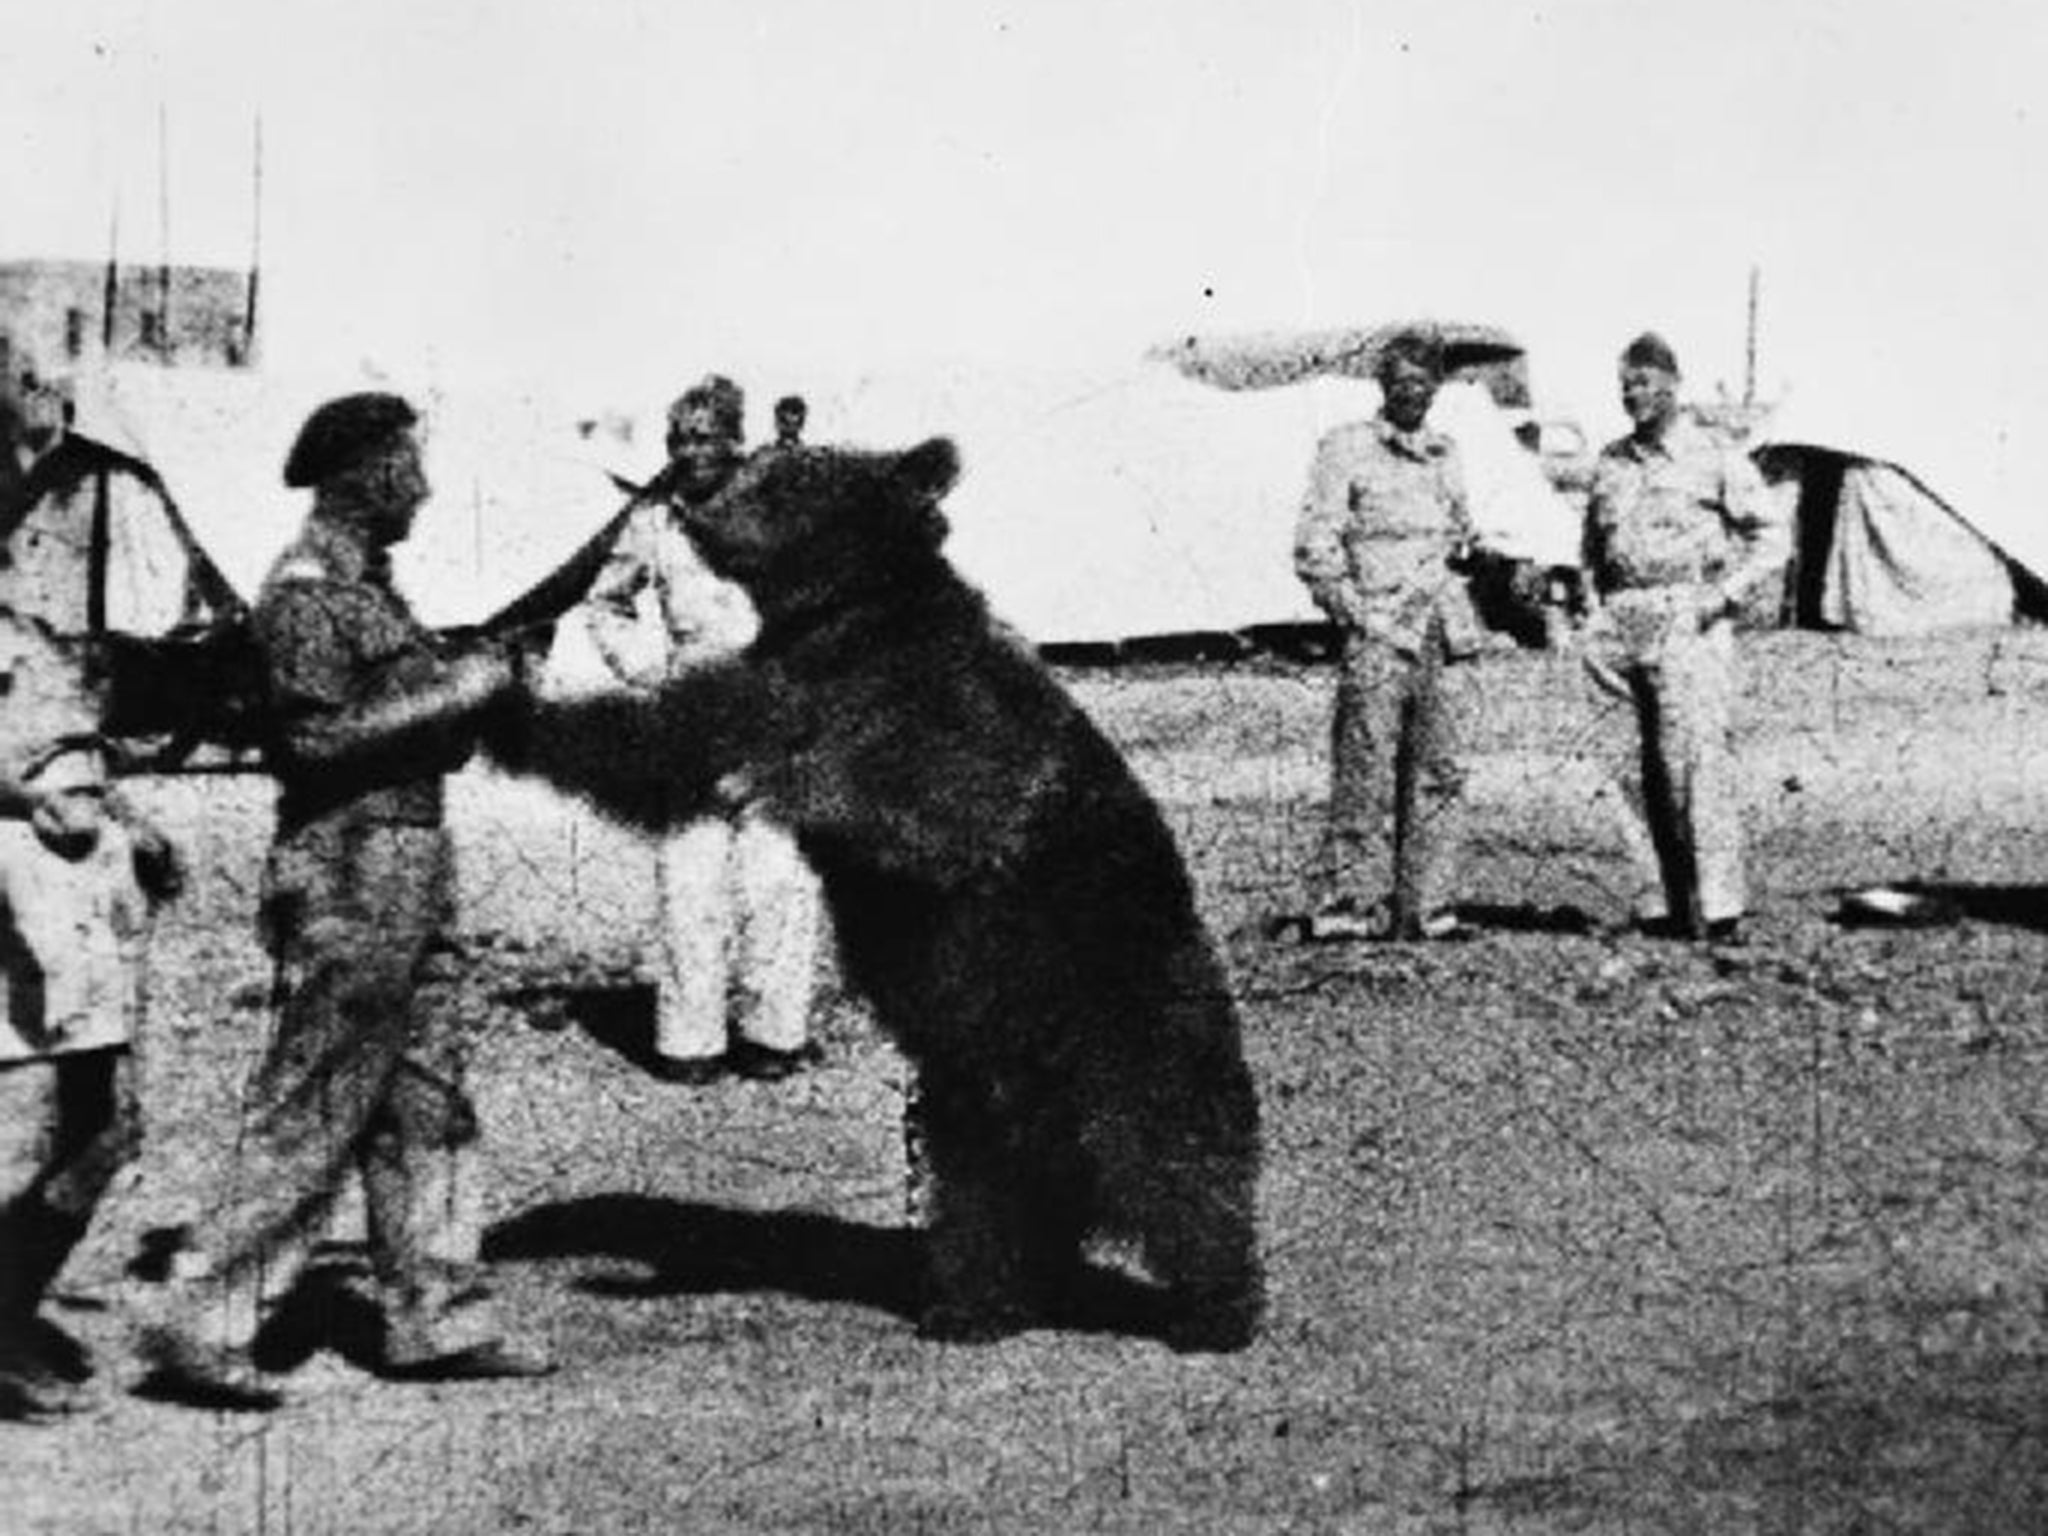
17 800
1320 559
618 630
1458 497
329 719
1757 522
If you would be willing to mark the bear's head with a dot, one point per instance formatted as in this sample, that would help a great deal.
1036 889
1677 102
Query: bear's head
795 524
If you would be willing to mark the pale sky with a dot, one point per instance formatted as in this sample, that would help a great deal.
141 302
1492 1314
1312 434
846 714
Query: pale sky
618 194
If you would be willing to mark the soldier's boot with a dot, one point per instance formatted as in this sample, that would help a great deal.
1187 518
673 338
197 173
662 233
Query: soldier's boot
42 1368
440 1322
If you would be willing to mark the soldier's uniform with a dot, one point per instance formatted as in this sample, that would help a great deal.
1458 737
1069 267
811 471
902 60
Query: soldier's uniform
71 980
1676 533
1384 510
738 900
365 1068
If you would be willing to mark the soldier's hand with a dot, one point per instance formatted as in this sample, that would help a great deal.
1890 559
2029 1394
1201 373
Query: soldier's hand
527 650
477 677
159 869
67 822
1714 605
1529 583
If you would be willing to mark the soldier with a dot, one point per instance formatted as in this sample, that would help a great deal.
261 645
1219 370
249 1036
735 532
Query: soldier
738 901
80 873
1679 529
1382 526
366 1067
790 413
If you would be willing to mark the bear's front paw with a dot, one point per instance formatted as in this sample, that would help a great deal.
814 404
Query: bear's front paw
949 1322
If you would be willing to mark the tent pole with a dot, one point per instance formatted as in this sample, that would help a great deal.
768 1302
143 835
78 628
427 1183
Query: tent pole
163 197
110 296
255 247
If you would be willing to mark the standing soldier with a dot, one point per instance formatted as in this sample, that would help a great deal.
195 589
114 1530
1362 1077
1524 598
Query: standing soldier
79 872
365 1068
1679 529
738 901
1382 527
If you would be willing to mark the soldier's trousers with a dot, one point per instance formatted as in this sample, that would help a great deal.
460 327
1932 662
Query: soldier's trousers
740 913
1675 780
68 1124
1396 784
364 1073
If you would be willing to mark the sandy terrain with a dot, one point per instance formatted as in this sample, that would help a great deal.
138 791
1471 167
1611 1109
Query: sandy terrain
1566 1232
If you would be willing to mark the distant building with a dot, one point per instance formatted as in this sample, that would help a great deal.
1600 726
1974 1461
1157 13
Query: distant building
180 316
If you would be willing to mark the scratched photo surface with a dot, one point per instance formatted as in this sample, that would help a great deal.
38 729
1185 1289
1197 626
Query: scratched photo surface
1565 1226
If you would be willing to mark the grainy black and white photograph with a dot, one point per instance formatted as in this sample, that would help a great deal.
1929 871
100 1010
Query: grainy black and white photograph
879 767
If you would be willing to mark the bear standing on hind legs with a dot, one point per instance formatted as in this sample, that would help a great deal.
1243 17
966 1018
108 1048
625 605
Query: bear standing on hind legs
1005 893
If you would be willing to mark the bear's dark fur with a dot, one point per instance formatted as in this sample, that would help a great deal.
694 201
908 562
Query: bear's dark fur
1004 892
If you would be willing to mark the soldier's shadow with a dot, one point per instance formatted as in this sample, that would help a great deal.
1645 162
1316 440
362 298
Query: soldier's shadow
688 1248
617 1017
1501 917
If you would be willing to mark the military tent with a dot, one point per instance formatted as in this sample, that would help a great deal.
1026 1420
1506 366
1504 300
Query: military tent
1128 513
1876 551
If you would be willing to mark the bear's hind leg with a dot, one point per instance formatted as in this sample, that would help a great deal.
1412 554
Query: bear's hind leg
981 1286
1195 1213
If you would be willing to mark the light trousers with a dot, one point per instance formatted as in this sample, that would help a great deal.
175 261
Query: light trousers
1675 781
1396 783
740 914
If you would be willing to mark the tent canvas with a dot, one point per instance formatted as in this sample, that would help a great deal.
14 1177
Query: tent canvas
1093 508
1090 507
515 487
1876 552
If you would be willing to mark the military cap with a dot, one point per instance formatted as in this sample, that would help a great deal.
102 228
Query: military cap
718 394
342 433
1650 350
1416 346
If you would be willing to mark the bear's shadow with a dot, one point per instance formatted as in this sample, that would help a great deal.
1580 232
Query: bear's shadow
690 1248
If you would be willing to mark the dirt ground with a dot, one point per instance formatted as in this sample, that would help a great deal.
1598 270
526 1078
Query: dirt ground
1566 1231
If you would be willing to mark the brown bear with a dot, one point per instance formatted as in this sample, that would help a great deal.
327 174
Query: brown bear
1005 894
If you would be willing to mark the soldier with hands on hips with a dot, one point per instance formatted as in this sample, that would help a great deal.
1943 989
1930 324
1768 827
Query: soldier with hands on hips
1680 529
1383 533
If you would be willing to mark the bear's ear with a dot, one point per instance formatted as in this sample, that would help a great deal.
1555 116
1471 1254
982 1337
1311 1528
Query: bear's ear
928 471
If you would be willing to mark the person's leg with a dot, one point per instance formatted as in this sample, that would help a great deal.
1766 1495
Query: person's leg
779 911
1620 743
697 920
420 1155
35 1236
341 1024
1432 792
1356 856
1701 683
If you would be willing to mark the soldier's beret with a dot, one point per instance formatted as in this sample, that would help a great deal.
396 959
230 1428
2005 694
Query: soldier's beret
342 433
1650 350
